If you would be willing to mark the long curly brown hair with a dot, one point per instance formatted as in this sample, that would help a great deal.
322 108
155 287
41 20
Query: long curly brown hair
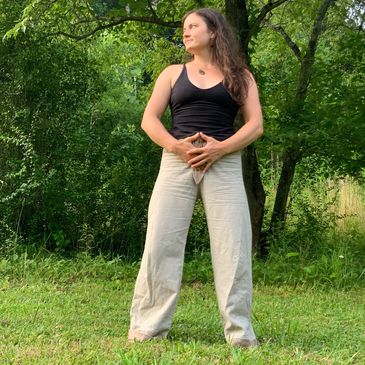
226 54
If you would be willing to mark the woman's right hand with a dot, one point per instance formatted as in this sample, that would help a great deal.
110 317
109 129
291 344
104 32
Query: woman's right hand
183 146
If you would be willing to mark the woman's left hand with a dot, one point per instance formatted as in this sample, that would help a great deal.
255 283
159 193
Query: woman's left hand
204 157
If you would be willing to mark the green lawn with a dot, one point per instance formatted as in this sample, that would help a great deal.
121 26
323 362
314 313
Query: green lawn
55 311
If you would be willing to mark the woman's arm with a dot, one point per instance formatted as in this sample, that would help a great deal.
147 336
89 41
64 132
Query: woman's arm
156 106
253 127
248 133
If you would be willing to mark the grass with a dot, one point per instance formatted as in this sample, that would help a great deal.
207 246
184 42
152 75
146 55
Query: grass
76 311
351 201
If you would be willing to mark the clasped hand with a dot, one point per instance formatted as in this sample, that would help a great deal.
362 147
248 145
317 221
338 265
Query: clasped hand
199 157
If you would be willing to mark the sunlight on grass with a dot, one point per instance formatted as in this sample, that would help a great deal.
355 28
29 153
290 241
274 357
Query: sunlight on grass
351 203
79 314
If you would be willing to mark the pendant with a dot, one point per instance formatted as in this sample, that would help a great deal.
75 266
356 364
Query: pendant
201 72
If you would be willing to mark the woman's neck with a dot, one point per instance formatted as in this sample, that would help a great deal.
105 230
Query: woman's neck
204 59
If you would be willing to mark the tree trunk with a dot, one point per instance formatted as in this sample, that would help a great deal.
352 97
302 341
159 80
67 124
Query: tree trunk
290 160
255 196
236 13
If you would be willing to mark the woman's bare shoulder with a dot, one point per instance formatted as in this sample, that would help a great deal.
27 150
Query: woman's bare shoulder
172 72
175 67
249 76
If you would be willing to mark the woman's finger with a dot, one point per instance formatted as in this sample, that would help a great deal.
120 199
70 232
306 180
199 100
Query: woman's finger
192 138
197 159
199 164
203 136
196 150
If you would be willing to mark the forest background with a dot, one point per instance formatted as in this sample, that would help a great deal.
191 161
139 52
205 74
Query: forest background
76 171
76 174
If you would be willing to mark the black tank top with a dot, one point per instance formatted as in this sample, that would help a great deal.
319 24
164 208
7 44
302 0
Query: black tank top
211 111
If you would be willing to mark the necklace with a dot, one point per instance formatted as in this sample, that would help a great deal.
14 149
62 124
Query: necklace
201 72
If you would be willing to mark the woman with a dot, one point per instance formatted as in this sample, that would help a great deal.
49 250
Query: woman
201 155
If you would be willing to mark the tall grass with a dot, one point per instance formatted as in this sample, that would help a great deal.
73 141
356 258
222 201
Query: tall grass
350 204
322 245
323 240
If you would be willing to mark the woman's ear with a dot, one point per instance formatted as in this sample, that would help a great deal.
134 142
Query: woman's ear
212 39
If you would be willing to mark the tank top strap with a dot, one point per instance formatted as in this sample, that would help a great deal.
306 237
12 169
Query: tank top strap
184 71
182 79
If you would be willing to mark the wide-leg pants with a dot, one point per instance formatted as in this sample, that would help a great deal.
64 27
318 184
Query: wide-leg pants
158 283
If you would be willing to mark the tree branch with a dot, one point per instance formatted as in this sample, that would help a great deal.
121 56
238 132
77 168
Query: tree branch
289 41
118 21
152 10
308 60
263 12
47 7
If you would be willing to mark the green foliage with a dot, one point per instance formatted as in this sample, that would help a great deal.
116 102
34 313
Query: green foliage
313 248
330 123
81 19
76 171
340 126
337 261
198 237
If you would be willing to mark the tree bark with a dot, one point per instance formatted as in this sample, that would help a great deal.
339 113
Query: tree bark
290 159
255 196
237 16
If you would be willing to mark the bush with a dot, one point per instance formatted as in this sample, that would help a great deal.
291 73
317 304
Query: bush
76 171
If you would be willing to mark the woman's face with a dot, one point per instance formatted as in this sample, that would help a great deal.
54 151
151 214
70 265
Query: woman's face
196 34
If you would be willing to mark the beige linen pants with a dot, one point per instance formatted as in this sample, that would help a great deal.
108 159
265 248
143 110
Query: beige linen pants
170 211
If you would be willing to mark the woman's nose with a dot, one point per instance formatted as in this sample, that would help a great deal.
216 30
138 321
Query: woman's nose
186 33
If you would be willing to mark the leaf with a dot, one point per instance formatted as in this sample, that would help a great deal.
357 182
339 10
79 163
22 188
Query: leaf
309 269
292 254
